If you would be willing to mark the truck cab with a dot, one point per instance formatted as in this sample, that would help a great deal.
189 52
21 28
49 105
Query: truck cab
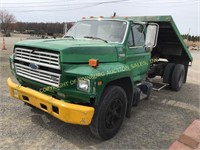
99 69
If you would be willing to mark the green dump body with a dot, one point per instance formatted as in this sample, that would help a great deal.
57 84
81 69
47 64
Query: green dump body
170 40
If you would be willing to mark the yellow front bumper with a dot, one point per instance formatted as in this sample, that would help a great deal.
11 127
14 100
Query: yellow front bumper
67 112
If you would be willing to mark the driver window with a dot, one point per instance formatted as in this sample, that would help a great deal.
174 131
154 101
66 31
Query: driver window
138 34
130 39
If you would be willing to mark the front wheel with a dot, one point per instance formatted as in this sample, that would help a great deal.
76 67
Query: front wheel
110 113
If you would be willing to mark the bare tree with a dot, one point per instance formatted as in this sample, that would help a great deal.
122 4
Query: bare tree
6 19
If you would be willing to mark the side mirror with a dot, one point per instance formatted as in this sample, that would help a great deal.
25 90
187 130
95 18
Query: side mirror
151 36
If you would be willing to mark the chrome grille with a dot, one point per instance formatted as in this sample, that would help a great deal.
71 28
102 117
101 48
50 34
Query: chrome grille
47 64
45 59
38 75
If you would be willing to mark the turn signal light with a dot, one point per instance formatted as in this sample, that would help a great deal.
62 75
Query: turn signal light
91 16
93 62
99 83
83 18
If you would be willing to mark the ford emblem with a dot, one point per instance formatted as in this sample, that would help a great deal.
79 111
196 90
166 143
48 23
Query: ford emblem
33 66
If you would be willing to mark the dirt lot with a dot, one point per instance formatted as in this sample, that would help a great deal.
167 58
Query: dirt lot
154 124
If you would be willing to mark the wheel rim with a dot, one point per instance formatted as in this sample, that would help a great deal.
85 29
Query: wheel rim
114 114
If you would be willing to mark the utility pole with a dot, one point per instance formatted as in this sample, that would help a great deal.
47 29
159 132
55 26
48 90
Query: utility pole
0 26
188 34
65 29
0 29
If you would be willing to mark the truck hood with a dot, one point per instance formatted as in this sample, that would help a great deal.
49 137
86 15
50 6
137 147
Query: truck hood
75 50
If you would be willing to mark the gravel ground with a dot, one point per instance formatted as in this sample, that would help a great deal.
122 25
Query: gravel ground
154 124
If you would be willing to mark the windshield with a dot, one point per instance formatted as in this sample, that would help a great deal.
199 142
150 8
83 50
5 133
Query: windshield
108 30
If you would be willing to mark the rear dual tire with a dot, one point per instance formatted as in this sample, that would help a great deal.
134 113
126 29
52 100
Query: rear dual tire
174 75
178 77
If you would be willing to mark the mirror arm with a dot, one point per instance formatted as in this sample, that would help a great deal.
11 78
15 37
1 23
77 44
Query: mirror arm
148 49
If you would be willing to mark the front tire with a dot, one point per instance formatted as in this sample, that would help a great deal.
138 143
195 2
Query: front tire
110 113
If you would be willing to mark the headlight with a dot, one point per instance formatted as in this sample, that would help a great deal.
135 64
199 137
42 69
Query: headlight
83 84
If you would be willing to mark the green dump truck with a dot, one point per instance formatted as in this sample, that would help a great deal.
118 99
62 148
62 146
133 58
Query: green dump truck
99 69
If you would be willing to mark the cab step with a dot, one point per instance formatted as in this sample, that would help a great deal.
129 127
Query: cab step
142 92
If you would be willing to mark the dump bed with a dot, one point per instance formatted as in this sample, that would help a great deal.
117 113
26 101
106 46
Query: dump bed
170 42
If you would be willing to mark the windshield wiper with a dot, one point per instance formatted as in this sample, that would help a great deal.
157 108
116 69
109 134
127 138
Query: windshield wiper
96 38
68 36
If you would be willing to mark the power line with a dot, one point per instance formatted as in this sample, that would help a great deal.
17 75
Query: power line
39 4
74 6
57 9
50 5
155 2
67 4
87 5
161 4
24 3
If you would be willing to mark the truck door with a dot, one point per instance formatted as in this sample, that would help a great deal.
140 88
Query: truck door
137 57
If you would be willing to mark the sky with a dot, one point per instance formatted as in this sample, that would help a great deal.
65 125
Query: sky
186 13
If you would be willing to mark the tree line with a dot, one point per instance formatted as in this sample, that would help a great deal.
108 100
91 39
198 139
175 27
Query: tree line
38 28
8 23
191 37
